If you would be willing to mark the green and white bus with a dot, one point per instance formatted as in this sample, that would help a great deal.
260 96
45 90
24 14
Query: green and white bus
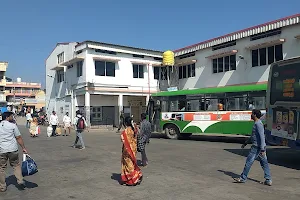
221 110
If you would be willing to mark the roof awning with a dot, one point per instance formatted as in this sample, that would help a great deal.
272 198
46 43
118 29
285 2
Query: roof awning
223 54
187 62
297 37
266 44
61 66
105 58
158 64
72 61
58 67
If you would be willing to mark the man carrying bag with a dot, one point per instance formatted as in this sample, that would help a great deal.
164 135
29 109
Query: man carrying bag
10 137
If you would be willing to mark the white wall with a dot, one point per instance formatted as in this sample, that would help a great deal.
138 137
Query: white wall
53 89
123 72
245 73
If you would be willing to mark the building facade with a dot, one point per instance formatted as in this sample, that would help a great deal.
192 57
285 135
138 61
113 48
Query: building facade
242 57
3 67
101 80
24 94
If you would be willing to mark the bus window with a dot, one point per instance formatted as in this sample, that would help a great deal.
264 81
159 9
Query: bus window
164 106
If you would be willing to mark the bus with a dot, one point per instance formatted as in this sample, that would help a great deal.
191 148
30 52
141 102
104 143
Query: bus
283 103
220 110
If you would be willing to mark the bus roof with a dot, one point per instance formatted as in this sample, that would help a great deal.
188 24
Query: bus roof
235 88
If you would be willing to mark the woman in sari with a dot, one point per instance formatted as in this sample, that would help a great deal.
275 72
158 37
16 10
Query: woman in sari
131 174
33 130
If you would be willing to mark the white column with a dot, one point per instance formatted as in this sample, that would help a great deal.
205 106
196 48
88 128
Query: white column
87 104
120 102
147 99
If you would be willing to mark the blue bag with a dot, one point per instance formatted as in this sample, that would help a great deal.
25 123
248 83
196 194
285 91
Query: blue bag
29 166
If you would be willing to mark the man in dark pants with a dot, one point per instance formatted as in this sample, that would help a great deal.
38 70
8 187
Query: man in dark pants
121 123
145 134
54 123
258 150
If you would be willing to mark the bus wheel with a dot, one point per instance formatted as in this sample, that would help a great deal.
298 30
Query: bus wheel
185 136
172 131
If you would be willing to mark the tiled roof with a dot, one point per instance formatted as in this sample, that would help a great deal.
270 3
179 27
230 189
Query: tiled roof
287 21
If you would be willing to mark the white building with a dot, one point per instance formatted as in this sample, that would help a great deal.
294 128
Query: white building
101 80
242 57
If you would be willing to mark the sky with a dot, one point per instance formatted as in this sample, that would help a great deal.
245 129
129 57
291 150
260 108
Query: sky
29 30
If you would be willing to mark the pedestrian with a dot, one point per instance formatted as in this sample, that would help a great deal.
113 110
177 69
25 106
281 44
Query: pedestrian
258 150
33 130
28 119
79 125
131 174
67 124
10 137
145 134
54 123
121 123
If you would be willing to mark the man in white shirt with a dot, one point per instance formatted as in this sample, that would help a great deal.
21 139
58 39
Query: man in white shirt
10 137
29 119
54 123
67 124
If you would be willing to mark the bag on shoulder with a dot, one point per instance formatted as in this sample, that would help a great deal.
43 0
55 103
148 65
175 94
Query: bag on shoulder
80 124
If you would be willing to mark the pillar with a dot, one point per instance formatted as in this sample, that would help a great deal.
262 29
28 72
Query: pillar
87 103
120 106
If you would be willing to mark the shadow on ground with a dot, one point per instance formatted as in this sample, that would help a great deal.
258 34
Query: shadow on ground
284 157
208 138
116 177
234 175
11 180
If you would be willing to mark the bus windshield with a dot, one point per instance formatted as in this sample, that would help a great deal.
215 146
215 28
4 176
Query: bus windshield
285 83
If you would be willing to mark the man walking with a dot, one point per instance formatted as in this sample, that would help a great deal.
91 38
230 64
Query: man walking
121 123
145 134
258 150
54 123
10 137
79 125
67 124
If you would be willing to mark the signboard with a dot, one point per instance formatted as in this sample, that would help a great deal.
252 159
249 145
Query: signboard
285 83
284 123
172 89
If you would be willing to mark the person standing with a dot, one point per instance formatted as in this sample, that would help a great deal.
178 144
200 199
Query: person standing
131 174
28 119
79 125
67 124
54 123
121 123
258 150
145 134
10 137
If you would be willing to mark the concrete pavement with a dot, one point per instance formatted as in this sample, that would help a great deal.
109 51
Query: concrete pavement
178 169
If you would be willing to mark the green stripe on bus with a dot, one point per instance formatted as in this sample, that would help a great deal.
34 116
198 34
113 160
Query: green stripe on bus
235 88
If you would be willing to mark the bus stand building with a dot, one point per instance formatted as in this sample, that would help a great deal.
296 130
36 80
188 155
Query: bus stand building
100 79
241 58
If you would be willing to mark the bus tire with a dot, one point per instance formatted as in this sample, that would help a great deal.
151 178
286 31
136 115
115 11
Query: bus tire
185 136
172 131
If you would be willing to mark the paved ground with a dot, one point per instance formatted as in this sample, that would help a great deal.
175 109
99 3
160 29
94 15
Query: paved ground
178 169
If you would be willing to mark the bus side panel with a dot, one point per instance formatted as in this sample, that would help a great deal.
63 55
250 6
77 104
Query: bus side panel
180 124
237 127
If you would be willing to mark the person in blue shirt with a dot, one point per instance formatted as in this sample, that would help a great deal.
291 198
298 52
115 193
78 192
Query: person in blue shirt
257 151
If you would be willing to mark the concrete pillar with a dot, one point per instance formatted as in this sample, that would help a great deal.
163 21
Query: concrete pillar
87 104
120 105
